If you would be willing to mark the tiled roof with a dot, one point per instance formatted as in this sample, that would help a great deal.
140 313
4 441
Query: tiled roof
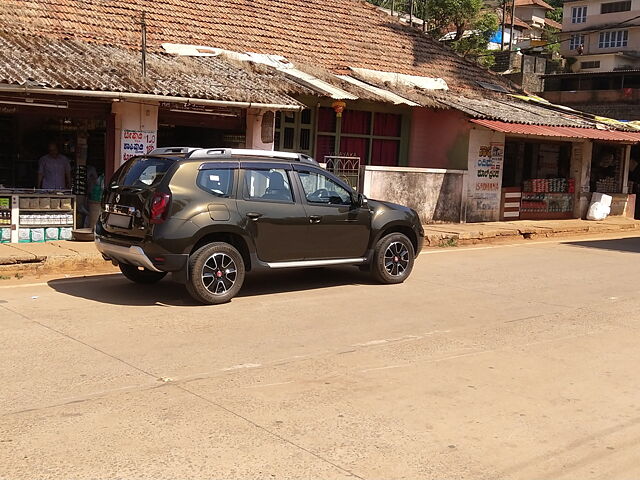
335 34
72 64
539 3
513 110
552 23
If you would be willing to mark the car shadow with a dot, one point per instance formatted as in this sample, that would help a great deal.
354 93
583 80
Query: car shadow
115 289
628 244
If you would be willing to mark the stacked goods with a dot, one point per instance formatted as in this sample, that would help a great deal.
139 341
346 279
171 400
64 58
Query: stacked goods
5 235
46 219
549 185
607 185
80 180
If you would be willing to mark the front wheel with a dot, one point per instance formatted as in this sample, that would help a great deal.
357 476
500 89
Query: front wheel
140 274
216 273
393 258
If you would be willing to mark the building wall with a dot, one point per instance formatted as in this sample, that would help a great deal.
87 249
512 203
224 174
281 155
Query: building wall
135 116
436 194
594 17
260 130
439 139
595 21
484 182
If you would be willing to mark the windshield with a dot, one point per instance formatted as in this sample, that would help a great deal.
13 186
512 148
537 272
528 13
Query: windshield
143 172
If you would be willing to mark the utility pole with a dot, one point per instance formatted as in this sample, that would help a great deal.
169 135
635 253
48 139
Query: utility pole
504 19
393 6
143 23
513 15
424 15
411 12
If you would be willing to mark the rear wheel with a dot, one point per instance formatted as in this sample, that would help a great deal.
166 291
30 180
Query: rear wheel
216 273
140 274
393 258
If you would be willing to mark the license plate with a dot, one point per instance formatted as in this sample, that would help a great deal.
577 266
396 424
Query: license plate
122 221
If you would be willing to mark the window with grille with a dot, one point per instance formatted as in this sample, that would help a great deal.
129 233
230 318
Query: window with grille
579 14
294 131
576 41
614 7
615 39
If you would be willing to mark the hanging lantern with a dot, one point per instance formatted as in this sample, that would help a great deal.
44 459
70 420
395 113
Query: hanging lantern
338 107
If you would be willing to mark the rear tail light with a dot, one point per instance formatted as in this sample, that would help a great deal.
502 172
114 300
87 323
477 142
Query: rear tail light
159 207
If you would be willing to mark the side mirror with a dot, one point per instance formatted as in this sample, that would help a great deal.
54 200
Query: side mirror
361 200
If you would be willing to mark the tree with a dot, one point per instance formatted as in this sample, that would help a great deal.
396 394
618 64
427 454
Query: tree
460 14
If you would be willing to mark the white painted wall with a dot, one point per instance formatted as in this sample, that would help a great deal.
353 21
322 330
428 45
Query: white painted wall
483 193
254 131
132 116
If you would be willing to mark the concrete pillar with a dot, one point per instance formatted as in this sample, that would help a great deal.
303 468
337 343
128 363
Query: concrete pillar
581 154
260 129
134 117
625 168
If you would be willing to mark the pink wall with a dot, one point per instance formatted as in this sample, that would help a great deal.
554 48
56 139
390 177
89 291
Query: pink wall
439 139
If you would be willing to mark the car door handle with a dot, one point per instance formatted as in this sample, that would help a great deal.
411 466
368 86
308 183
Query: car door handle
315 218
254 215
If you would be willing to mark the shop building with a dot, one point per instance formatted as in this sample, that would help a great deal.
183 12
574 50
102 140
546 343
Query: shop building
401 112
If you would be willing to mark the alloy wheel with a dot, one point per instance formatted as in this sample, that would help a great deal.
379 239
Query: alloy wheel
396 259
219 273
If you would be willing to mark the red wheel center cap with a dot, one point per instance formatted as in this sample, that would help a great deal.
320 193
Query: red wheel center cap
218 274
396 259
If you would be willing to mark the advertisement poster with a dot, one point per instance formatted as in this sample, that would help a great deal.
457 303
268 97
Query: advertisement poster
486 160
137 142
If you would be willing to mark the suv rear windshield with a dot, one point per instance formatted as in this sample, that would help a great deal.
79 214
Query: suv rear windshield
144 172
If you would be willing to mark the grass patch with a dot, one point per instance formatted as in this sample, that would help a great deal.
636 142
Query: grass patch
449 242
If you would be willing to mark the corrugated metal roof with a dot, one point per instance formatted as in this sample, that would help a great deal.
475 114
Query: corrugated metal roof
565 132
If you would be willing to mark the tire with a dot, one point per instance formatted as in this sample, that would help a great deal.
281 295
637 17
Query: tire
141 275
393 259
210 278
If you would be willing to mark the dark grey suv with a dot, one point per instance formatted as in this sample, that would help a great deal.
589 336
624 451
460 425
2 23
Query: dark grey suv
211 215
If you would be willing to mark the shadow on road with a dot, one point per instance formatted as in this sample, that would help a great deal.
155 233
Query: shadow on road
117 290
630 244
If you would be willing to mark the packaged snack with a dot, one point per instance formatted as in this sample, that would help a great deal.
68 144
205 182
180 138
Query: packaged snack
65 203
37 235
24 235
34 203
5 235
51 234
54 203
65 234
44 203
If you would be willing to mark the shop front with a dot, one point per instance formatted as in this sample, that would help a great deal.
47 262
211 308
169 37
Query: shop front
182 124
538 173
52 153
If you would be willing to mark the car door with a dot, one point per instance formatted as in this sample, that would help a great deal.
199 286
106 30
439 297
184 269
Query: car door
338 227
272 215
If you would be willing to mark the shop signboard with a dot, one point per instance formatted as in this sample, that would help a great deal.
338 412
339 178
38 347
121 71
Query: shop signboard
484 187
137 142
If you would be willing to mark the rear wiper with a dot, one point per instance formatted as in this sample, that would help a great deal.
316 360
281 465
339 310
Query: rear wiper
125 187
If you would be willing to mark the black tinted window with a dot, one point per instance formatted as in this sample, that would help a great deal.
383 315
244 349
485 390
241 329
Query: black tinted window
218 181
144 172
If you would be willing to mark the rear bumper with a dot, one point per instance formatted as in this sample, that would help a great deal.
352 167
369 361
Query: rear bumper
132 255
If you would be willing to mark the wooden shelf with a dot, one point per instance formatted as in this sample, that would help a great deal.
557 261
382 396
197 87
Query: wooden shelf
46 209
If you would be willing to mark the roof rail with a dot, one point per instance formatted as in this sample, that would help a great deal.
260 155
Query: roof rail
209 153
173 150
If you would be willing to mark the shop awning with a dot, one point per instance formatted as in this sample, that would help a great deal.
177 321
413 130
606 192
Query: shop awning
565 132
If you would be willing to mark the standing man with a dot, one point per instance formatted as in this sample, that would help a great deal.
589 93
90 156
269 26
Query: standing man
54 170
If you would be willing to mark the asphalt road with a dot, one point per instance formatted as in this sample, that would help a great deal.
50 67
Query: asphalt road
506 362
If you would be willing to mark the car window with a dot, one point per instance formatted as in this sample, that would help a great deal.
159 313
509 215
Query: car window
144 172
270 185
217 181
319 188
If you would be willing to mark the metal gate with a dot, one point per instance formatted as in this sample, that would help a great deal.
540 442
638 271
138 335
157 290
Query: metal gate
347 168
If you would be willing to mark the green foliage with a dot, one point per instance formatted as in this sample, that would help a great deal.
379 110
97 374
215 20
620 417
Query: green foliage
462 15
